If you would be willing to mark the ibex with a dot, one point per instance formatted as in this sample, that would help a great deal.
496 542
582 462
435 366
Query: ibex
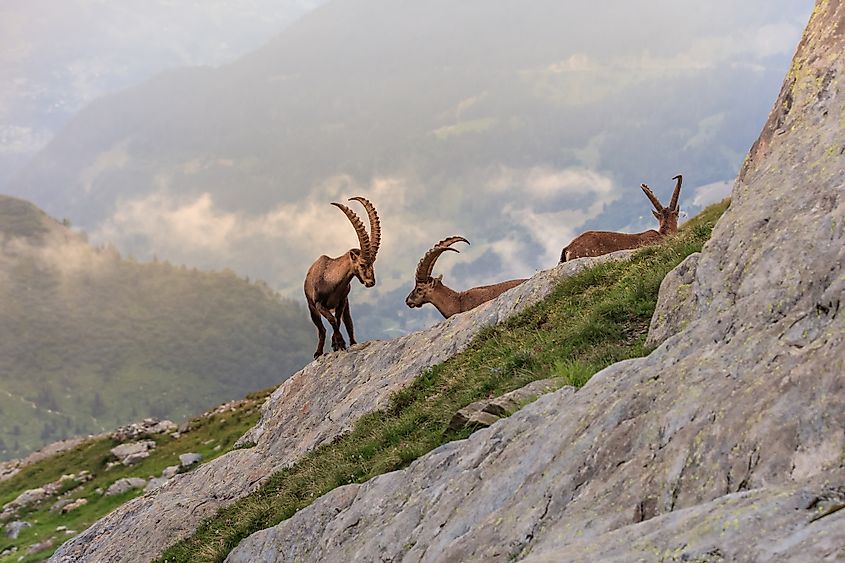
449 302
328 281
596 243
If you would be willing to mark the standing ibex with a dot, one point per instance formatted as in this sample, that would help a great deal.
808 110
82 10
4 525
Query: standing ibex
596 243
449 302
327 283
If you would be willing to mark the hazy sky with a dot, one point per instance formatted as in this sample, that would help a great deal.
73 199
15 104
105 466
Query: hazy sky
516 124
58 55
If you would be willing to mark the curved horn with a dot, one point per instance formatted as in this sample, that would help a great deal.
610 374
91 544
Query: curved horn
375 225
451 240
426 265
673 205
360 229
653 198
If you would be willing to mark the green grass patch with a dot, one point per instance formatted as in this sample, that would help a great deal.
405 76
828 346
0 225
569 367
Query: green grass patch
591 320
210 436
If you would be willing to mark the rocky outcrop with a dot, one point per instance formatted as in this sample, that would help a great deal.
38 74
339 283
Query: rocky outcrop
320 402
487 411
143 429
726 443
9 469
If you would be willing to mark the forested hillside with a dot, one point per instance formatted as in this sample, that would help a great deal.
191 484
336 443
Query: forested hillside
90 339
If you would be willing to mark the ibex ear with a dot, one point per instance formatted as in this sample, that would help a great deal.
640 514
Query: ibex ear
438 278
656 215
355 253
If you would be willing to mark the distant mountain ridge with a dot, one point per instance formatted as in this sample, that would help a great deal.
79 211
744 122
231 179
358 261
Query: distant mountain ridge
90 339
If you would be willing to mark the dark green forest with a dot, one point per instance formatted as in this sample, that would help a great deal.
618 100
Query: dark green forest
90 340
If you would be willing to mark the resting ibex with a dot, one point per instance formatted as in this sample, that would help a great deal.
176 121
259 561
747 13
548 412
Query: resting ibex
596 243
447 301
328 281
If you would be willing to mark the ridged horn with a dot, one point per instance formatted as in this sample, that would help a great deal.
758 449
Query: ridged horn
673 205
360 229
375 225
653 198
426 265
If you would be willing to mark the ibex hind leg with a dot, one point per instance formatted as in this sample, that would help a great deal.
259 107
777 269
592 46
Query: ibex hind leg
321 330
337 338
347 321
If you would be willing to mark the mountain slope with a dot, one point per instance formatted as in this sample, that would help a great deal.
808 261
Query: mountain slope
90 340
334 394
724 444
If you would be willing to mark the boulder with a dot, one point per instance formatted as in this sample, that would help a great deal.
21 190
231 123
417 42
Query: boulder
126 484
60 504
171 471
39 547
14 528
189 459
74 505
133 452
28 498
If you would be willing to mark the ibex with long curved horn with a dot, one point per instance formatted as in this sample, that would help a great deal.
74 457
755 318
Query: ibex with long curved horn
428 289
596 243
328 281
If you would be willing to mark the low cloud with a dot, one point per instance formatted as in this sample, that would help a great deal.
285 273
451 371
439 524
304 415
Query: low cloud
537 211
711 193
21 140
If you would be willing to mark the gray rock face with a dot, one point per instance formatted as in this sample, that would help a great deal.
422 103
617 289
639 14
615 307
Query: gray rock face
154 484
726 443
321 401
676 304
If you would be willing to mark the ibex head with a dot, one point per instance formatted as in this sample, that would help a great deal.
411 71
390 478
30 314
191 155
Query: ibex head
363 258
666 216
425 284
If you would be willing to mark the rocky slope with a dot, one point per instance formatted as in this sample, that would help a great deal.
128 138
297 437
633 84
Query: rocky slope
311 408
726 443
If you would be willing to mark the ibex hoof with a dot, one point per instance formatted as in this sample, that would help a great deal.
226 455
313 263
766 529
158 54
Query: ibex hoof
318 354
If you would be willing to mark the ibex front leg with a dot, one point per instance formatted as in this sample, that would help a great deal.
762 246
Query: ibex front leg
321 330
346 316
337 338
